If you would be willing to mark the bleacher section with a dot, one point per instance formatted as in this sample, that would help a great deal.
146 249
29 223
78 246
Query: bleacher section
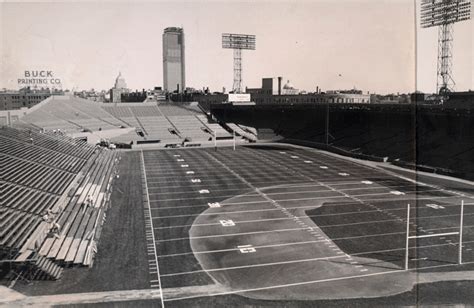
213 127
20 171
249 129
118 111
71 114
25 199
80 224
186 122
158 128
34 175
190 128
147 118
45 180
239 131
174 110
166 124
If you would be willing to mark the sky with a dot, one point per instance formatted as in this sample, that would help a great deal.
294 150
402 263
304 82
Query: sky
333 44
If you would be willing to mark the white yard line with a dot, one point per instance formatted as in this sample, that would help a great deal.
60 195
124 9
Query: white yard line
304 228
195 192
311 242
230 234
307 260
193 198
273 209
331 204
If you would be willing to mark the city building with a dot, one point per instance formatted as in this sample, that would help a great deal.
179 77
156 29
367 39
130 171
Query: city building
267 88
119 88
288 94
174 78
92 95
25 97
352 96
134 97
157 95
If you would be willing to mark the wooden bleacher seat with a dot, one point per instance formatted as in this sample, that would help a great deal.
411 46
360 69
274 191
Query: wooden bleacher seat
59 164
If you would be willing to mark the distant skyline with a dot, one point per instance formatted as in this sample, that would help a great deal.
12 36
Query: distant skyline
367 44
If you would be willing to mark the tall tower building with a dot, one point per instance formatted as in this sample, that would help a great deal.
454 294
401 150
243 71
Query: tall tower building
173 60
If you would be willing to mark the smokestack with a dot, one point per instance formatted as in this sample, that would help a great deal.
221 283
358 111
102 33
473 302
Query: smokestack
279 85
317 89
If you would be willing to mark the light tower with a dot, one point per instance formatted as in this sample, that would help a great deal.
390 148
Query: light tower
237 42
443 14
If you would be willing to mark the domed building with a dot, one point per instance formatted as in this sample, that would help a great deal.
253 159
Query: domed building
120 82
119 88
288 89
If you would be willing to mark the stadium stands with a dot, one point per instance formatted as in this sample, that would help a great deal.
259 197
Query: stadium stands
163 123
39 173
147 118
167 124
158 128
184 120
81 219
174 110
249 129
190 127
71 114
19 171
239 131
53 164
119 111
213 127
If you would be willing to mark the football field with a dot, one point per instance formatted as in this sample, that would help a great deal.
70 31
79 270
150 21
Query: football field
287 223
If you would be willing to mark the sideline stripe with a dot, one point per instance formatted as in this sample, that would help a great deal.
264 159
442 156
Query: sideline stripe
152 231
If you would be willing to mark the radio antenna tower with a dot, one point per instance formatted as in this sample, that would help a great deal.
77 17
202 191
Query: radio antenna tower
443 14
237 42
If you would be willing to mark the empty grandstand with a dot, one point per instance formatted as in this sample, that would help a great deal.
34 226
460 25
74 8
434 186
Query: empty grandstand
147 119
167 124
53 218
134 124
71 114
